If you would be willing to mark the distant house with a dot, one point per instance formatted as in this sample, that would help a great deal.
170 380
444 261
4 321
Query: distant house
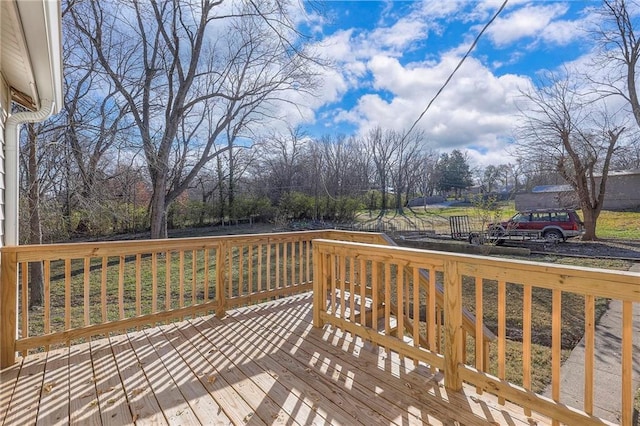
622 193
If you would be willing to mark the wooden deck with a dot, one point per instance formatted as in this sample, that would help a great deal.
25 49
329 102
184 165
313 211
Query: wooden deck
264 364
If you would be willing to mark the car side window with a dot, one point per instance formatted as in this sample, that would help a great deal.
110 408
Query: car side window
560 217
540 217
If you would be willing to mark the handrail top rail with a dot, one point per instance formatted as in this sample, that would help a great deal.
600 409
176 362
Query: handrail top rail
71 250
179 242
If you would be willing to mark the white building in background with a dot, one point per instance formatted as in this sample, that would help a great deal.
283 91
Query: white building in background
622 193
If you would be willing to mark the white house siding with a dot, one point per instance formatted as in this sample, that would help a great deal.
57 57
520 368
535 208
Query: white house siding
4 106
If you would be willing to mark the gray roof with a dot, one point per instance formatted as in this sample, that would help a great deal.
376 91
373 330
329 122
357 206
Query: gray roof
552 188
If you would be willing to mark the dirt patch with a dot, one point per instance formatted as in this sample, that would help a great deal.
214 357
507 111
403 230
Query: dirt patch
590 249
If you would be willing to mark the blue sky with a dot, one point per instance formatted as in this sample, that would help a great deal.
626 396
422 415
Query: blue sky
391 57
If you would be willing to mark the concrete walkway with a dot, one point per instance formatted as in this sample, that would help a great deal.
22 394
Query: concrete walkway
608 371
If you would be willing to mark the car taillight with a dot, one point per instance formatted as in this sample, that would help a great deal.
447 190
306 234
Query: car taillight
575 227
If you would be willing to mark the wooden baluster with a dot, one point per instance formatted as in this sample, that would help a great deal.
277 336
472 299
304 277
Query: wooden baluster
221 251
138 285
479 348
67 295
363 292
433 317
87 290
167 281
627 362
47 298
285 260
250 267
181 281
332 284
556 345
154 282
319 288
241 282
259 267
589 351
502 331
205 266
352 289
526 339
277 265
268 267
416 307
194 277
452 325
103 288
230 271
375 288
308 253
400 296
24 272
342 277
387 298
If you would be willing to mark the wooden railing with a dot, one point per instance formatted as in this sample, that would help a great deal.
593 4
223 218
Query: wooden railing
91 289
96 288
373 291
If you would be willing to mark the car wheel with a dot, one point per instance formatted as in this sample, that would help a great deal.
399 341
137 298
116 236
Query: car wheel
553 236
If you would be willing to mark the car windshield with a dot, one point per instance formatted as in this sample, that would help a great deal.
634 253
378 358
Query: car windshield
520 217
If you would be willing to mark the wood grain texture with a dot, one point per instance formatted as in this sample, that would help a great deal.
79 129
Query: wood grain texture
263 364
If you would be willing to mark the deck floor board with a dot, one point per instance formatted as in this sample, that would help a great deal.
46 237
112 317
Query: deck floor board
263 364
84 409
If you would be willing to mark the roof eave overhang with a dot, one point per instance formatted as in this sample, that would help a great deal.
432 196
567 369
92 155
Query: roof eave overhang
38 23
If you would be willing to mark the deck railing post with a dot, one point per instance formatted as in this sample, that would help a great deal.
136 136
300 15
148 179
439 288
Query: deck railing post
452 325
318 289
8 308
221 256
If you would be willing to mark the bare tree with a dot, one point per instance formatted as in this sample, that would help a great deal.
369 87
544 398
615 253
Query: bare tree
36 283
627 157
563 125
281 162
185 80
407 149
619 52
425 172
345 171
382 152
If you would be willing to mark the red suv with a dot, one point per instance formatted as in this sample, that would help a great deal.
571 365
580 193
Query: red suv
553 225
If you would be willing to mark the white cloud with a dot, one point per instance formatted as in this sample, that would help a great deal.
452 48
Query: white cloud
477 108
529 21
399 36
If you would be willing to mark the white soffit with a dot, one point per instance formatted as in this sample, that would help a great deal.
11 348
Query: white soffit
15 62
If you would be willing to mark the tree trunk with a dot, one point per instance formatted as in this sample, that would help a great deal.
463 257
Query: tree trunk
231 189
590 220
36 285
158 215
398 201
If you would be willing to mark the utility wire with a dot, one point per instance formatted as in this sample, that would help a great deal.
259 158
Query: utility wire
473 45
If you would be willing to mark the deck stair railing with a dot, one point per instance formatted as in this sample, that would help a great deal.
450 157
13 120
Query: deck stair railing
353 279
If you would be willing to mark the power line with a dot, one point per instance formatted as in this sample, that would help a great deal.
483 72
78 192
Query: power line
473 45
